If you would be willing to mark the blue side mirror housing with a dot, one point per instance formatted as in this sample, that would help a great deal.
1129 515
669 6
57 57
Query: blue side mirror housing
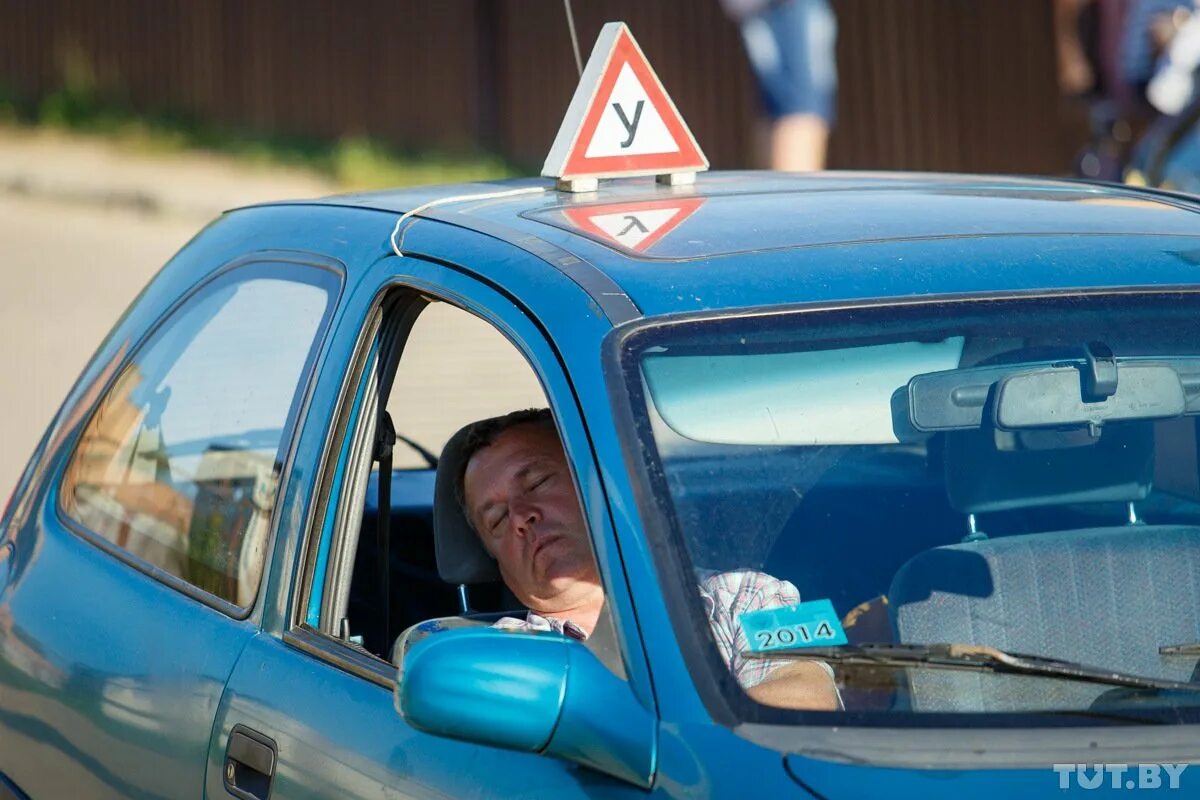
534 692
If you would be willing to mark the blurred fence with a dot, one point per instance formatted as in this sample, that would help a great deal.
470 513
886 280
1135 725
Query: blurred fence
925 84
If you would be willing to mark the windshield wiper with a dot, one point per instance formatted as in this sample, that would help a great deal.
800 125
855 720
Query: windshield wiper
978 658
1190 649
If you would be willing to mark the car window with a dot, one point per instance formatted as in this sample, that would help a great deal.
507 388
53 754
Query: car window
180 462
1012 475
455 369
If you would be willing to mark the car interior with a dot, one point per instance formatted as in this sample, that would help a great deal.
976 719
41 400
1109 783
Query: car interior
955 549
1043 546
1037 574
453 369
418 590
1064 542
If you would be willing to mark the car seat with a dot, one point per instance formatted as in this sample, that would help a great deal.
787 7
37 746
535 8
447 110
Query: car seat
461 558
1104 596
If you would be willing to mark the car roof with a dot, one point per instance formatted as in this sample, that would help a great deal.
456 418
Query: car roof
737 239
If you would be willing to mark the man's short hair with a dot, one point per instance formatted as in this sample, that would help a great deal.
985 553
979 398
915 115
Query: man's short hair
483 433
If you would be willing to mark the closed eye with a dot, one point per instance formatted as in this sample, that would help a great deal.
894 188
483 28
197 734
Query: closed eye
539 478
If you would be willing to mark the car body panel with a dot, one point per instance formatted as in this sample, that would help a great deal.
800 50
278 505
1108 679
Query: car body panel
88 703
339 736
121 649
886 236
125 676
127 656
830 779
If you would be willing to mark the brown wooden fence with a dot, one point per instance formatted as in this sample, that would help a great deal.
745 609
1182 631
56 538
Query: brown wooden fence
924 84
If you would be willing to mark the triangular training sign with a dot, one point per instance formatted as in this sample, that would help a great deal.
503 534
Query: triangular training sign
621 121
633 226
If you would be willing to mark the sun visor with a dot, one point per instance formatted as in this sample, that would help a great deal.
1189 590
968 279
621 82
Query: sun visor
838 396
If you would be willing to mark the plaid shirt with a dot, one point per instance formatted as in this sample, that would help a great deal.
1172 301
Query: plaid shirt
726 596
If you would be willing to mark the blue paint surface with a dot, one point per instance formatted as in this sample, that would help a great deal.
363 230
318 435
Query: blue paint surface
153 676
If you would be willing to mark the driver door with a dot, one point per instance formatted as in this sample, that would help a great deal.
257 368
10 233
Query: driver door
318 695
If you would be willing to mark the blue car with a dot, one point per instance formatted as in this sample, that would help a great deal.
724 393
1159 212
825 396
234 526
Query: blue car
738 485
955 415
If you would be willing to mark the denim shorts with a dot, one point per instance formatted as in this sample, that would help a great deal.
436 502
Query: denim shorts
790 44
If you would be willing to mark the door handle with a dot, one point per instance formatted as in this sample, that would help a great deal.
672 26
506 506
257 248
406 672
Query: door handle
250 761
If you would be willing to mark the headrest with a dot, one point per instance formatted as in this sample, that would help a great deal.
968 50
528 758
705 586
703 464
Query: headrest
460 555
1118 467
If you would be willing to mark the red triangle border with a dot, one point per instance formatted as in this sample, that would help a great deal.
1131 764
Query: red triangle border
686 159
581 217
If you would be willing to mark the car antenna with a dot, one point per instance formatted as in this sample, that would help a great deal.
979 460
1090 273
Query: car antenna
574 36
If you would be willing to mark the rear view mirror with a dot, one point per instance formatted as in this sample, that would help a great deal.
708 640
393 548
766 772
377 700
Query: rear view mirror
1017 397
1053 398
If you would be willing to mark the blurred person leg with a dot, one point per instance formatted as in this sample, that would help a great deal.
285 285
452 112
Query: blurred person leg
1149 28
1075 74
797 143
1164 88
790 44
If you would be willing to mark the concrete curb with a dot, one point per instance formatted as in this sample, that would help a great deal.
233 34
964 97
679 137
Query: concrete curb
84 171
132 200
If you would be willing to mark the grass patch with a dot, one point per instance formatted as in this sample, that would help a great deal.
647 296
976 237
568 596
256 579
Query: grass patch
354 162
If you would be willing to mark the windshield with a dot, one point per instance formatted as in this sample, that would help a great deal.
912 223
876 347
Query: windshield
1016 476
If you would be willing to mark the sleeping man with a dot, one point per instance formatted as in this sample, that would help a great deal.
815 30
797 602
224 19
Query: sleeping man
517 493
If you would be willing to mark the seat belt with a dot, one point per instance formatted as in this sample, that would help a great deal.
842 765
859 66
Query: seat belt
385 440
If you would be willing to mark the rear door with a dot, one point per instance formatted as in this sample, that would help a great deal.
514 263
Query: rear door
136 567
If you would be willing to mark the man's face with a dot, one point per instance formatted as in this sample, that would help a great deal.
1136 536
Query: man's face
521 501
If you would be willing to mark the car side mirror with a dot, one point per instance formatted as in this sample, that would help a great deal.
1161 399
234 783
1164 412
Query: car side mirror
534 692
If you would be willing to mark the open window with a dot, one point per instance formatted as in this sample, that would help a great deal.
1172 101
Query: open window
433 368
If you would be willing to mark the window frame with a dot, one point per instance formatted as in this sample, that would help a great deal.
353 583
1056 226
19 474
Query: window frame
326 645
656 510
297 413
331 539
391 320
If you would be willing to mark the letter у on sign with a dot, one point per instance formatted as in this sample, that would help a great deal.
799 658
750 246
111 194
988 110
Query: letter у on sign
621 122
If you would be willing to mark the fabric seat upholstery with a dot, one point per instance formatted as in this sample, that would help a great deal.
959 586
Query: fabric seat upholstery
461 558
1106 597
1101 596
